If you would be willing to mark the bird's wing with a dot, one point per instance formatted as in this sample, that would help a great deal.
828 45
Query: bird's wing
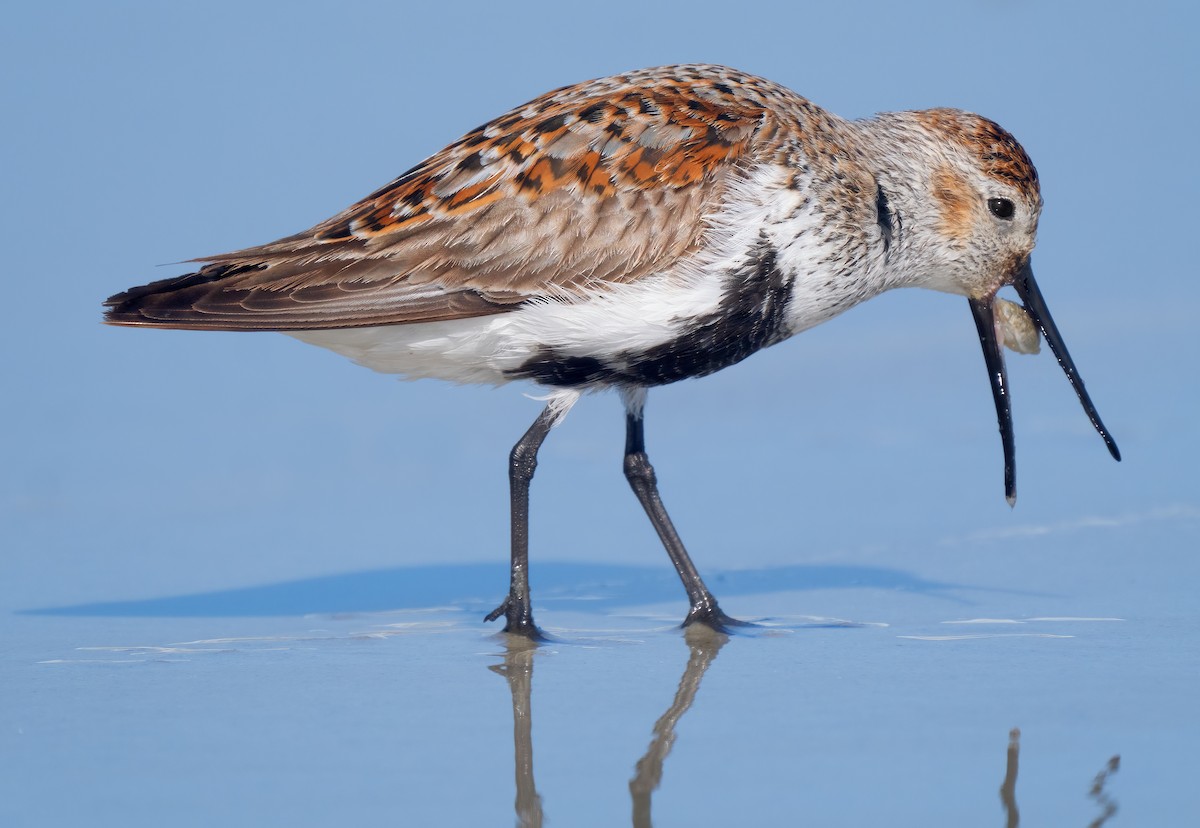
600 183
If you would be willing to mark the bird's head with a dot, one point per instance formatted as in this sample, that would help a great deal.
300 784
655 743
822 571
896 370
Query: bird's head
973 202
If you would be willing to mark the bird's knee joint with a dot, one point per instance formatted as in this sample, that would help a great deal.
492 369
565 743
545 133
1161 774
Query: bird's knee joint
522 463
638 468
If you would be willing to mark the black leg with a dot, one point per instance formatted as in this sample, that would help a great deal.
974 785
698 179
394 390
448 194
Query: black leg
641 477
522 462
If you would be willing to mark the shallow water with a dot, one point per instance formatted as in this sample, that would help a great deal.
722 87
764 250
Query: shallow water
897 710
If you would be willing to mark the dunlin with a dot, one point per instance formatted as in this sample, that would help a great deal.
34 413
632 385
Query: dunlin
637 230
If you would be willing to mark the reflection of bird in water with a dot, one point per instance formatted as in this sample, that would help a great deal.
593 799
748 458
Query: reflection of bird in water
1008 790
1097 792
518 669
704 645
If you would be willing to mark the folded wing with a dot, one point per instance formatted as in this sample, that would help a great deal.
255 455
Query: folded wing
592 185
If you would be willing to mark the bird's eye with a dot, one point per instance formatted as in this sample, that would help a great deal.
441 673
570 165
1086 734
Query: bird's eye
1001 207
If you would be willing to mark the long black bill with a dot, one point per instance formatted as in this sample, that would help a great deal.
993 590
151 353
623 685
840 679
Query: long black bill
1035 306
985 322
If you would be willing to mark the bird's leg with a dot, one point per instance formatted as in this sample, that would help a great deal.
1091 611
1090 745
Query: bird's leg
522 462
642 479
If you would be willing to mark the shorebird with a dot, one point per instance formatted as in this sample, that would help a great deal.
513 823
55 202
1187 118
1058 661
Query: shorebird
636 230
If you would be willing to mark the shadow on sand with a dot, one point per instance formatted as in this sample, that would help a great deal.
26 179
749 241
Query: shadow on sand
599 587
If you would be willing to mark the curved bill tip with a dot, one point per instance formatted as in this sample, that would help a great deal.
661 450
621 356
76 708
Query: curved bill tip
983 310
1035 306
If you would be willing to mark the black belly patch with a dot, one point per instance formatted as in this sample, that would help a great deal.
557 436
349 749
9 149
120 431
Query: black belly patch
549 368
749 318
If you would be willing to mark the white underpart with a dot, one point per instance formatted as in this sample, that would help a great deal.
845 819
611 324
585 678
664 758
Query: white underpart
634 400
559 401
787 219
821 288
483 349
604 322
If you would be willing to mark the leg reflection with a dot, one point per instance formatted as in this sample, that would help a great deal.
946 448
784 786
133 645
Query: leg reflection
1008 790
1097 792
518 670
704 644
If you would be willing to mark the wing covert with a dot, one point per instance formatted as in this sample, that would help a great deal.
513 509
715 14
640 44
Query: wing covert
599 183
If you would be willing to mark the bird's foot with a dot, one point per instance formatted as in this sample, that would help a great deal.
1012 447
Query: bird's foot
518 619
705 611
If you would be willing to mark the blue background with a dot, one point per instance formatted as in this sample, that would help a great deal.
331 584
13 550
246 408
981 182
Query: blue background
248 490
